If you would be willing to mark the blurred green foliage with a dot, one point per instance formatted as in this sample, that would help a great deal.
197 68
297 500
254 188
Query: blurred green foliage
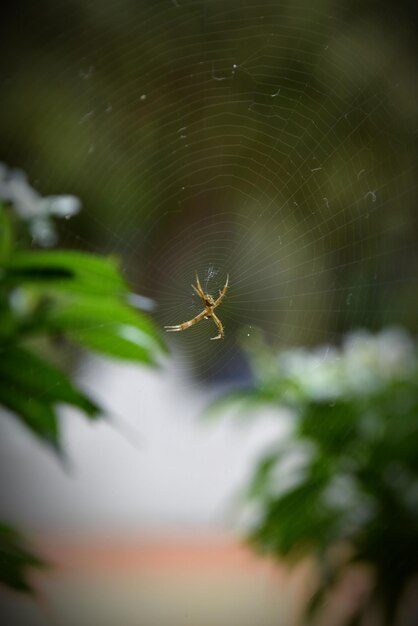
48 299
15 559
342 484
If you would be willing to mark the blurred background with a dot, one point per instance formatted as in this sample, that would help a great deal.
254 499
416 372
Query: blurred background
272 141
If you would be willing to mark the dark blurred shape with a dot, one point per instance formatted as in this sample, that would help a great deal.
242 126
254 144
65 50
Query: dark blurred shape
16 559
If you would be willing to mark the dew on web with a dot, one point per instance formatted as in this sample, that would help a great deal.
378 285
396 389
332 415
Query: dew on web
372 195
86 117
211 273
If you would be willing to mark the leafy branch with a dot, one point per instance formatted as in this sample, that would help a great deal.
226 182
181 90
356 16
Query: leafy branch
342 485
48 297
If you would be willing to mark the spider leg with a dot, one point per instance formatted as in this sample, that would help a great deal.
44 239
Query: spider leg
198 288
198 293
219 325
185 325
222 293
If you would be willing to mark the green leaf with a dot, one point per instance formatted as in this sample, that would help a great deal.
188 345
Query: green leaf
332 425
294 521
260 483
316 601
29 376
16 559
231 399
92 313
67 270
8 323
6 235
32 388
298 519
37 414
280 392
245 400
116 341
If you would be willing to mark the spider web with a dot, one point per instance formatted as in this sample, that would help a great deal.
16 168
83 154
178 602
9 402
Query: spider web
271 141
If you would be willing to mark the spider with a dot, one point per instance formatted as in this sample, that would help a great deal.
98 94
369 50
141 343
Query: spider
208 312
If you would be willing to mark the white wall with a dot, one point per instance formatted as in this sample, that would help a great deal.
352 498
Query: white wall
162 469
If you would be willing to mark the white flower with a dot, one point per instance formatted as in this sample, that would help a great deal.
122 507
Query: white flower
61 206
365 363
32 207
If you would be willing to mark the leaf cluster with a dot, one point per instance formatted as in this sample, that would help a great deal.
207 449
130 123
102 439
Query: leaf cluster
48 298
342 486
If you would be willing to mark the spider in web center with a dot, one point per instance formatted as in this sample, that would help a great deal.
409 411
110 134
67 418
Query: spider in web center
208 312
